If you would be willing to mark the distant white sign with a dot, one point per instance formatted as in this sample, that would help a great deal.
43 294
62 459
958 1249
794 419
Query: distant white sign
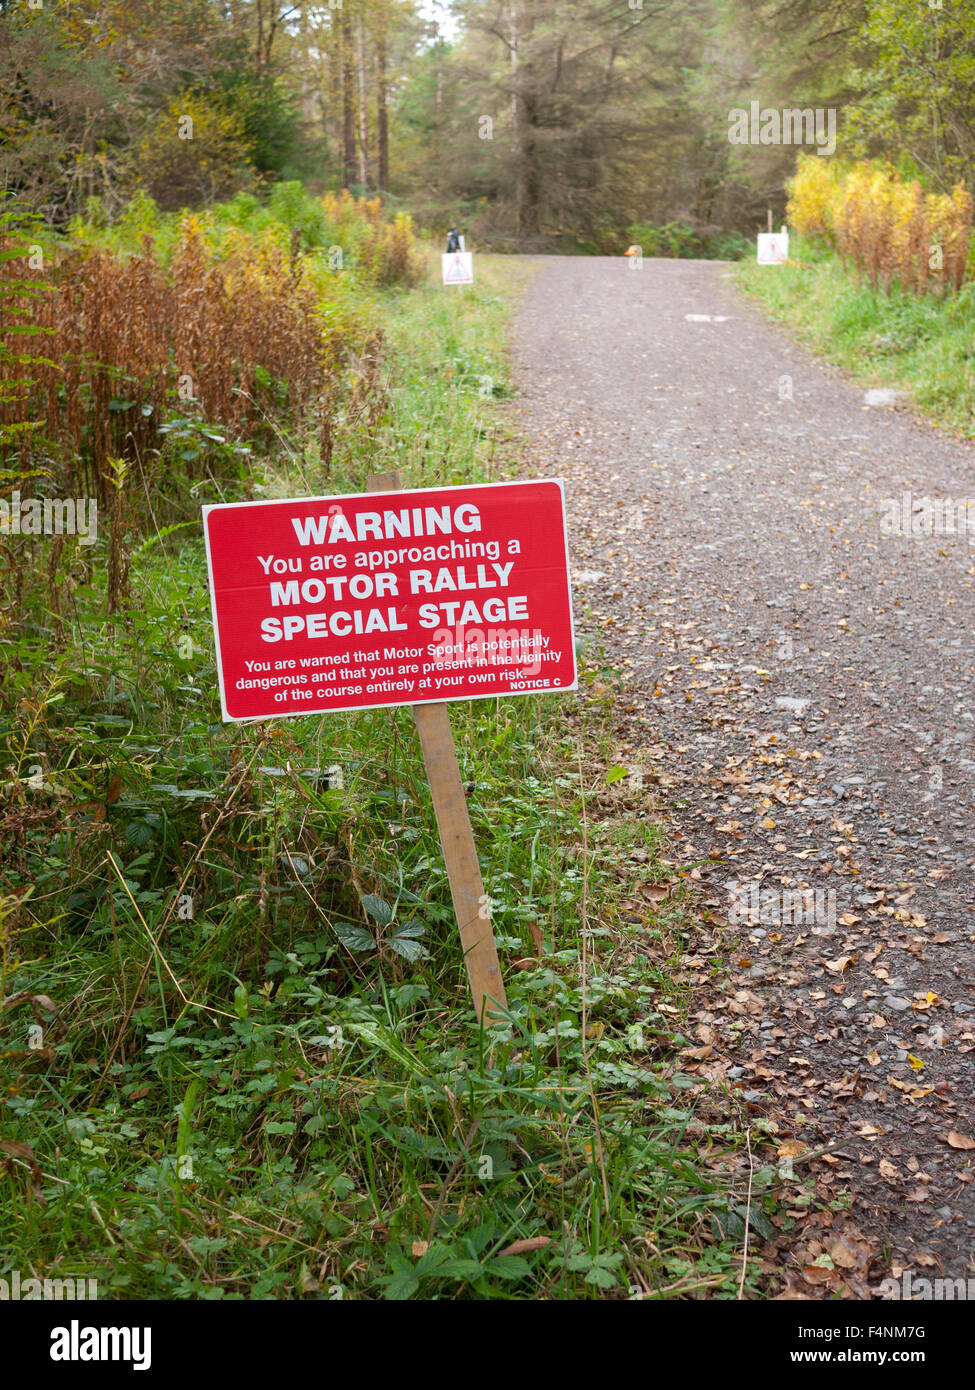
458 268
773 248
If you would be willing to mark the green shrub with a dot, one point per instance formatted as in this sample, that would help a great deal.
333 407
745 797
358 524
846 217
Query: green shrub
672 239
729 246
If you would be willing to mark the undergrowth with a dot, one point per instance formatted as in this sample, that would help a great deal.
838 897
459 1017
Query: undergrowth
238 1059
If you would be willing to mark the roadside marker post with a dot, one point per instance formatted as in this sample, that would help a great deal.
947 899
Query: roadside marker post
395 597
773 247
458 267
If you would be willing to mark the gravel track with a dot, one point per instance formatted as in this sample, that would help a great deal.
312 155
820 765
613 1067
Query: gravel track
800 684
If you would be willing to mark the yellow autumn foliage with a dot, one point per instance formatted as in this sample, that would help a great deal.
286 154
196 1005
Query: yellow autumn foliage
887 226
385 252
195 150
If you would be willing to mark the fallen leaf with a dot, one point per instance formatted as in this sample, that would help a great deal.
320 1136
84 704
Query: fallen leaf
842 1255
914 1092
525 1247
23 1153
960 1141
18 1149
655 892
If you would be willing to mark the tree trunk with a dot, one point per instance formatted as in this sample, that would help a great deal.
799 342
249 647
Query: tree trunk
363 105
267 24
333 103
526 170
382 113
348 102
307 91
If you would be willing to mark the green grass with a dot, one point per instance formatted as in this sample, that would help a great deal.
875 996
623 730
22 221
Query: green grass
916 343
218 1097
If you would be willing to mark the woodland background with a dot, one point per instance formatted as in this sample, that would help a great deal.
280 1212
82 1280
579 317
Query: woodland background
534 124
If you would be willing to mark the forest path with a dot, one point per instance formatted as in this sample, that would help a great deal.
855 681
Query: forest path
801 683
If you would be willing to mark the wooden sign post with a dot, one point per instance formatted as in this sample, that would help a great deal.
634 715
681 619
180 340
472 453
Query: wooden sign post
471 905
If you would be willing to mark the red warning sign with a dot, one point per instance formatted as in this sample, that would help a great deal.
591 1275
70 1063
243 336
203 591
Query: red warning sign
390 598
